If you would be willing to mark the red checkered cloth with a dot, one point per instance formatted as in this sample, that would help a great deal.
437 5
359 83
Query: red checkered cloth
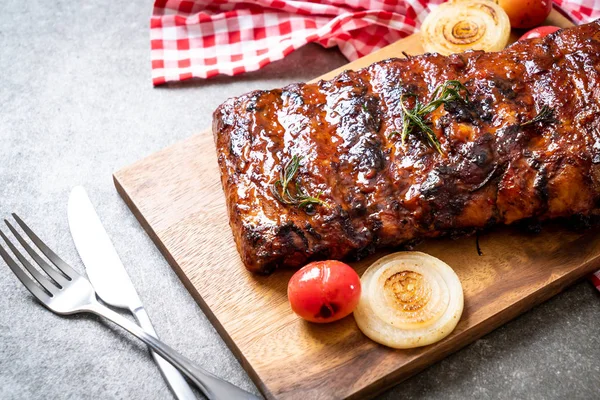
580 11
595 278
204 38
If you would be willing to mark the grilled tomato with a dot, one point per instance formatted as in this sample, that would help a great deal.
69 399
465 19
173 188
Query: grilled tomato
524 14
324 291
540 31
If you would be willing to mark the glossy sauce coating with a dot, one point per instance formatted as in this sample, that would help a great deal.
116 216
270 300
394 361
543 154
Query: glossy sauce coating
380 193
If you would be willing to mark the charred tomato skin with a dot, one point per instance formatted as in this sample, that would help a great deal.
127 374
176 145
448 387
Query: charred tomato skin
324 291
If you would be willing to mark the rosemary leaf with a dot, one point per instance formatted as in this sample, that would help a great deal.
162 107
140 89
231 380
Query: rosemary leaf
414 120
546 114
297 196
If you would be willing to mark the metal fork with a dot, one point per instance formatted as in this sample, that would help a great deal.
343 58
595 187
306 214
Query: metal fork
68 292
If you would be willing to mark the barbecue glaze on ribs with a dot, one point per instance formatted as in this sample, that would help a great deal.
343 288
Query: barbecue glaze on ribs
380 193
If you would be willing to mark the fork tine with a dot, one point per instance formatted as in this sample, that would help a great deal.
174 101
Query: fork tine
52 256
54 274
25 280
42 280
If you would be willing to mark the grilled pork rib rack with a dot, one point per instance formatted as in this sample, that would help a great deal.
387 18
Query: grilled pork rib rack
521 141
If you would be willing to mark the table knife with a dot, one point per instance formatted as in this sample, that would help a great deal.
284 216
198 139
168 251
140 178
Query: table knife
110 279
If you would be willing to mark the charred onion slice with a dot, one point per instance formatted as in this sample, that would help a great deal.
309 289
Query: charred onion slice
409 299
458 26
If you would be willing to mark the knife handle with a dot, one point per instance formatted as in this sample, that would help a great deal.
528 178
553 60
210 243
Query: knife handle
213 387
175 380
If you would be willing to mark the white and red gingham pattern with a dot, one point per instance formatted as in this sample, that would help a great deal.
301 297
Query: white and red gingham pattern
204 38
595 279
580 11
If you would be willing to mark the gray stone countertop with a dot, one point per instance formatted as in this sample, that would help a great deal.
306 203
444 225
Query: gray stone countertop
76 104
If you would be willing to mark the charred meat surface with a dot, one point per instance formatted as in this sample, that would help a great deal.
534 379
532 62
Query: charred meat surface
501 160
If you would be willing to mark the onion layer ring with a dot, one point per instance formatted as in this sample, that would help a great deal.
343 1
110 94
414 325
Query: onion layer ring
458 26
409 299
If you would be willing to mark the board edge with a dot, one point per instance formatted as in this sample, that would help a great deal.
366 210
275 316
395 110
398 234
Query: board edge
495 321
188 284
379 386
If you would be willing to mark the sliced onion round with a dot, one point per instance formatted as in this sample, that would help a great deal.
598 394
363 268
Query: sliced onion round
409 299
458 26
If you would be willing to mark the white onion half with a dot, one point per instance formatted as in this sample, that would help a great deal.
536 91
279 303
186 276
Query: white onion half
458 26
409 299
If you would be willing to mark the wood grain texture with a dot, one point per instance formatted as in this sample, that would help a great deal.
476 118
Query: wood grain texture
177 196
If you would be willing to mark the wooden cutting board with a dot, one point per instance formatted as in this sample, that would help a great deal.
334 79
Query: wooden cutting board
176 195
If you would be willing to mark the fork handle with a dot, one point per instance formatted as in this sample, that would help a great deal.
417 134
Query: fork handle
180 388
213 387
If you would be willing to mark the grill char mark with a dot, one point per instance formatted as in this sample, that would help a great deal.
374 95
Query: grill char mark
380 193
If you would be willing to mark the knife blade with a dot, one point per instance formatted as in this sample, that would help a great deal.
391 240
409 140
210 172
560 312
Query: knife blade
110 279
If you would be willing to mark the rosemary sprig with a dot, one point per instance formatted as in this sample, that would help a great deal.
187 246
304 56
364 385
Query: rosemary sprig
297 196
546 114
448 92
413 120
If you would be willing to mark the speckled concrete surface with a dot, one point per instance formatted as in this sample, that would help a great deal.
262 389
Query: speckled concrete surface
76 104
